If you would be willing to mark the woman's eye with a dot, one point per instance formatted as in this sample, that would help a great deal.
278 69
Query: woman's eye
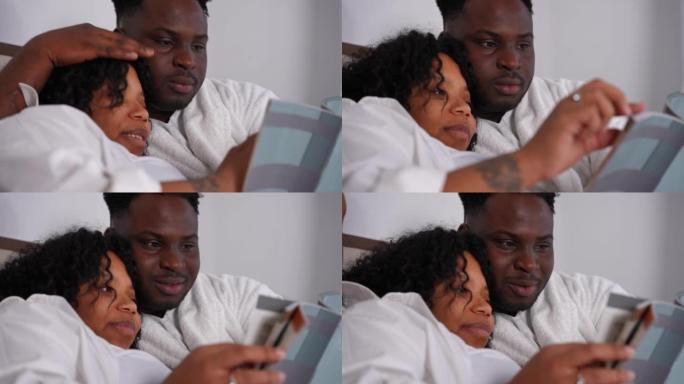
106 289
438 92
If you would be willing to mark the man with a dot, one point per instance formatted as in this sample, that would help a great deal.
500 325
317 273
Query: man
535 306
510 102
184 309
195 122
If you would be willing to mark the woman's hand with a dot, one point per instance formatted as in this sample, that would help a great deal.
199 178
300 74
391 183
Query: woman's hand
576 127
563 364
219 362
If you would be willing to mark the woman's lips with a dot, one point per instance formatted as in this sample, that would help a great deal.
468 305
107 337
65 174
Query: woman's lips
458 131
482 330
124 327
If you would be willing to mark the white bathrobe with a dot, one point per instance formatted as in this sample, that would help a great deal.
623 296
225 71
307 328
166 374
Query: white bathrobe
397 339
217 309
43 340
568 310
59 148
519 125
385 150
222 115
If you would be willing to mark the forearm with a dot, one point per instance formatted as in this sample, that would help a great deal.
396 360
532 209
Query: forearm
514 172
30 66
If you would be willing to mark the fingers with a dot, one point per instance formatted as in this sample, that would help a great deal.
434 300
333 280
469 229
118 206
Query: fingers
637 107
613 94
580 355
252 376
116 45
233 355
607 376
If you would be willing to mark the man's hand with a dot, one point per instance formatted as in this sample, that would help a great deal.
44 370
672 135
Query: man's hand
232 171
83 42
576 127
564 363
219 362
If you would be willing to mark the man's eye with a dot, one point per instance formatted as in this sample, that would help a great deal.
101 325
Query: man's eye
189 246
524 46
488 44
151 244
543 247
199 47
505 244
165 43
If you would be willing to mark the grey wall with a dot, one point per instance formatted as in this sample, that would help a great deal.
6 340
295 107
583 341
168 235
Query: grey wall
633 239
291 47
291 242
636 44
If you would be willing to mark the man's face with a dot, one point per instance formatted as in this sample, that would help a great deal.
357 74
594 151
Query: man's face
499 40
518 233
163 234
177 30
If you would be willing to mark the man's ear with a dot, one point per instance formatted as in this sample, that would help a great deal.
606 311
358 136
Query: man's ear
463 228
109 231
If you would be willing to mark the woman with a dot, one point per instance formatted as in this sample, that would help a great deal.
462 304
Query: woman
57 147
408 124
434 319
68 313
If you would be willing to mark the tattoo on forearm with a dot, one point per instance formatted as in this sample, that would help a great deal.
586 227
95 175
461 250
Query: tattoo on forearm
206 184
501 174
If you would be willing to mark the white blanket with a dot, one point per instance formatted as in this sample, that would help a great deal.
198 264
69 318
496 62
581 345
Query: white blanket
217 309
43 340
59 148
567 310
222 115
397 339
519 125
385 150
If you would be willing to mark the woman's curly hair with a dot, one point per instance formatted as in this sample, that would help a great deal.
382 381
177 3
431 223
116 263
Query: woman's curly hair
75 85
61 264
419 262
399 64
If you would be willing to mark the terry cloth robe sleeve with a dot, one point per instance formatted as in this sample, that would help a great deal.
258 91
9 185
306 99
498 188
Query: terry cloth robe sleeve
217 309
519 125
385 150
568 310
397 339
220 116
42 340
59 148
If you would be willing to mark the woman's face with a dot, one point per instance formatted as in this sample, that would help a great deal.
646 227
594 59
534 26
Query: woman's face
111 313
468 313
443 110
127 124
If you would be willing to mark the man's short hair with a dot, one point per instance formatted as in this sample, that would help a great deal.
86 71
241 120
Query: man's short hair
452 8
127 7
473 203
118 203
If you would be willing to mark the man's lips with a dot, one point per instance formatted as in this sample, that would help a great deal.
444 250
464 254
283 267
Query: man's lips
182 84
508 85
523 288
170 286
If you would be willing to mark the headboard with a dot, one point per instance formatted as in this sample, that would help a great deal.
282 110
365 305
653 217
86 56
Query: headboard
8 246
350 51
7 51
355 246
